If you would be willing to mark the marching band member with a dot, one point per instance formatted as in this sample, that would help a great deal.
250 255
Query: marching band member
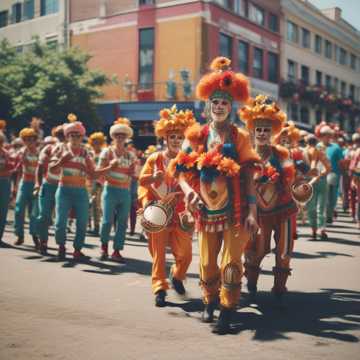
264 119
116 194
216 174
27 161
75 163
156 185
46 185
97 142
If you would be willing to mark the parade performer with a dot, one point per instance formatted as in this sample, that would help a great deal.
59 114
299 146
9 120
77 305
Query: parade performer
6 166
76 164
216 174
355 178
46 185
97 142
116 194
264 119
156 186
26 161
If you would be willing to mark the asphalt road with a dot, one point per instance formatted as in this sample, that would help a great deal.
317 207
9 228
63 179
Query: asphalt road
102 310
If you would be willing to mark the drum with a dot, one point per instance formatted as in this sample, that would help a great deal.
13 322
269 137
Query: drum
156 217
302 192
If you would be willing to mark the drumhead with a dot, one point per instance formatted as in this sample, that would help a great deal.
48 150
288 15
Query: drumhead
155 215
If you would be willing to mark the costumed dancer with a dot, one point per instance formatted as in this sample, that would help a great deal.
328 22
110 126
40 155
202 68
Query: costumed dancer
97 142
355 178
116 199
264 119
158 188
27 161
76 164
319 168
6 167
216 174
46 186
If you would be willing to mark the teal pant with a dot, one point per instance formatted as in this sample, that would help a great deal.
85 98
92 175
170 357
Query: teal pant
68 198
25 199
5 191
117 202
333 194
46 204
317 205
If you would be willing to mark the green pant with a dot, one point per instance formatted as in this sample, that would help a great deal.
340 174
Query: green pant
25 199
316 206
333 195
5 191
68 198
117 202
46 204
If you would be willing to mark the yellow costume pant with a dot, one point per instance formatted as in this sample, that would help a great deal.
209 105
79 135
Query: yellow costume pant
180 243
225 280
259 246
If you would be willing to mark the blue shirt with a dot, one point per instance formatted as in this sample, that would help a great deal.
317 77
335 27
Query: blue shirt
334 153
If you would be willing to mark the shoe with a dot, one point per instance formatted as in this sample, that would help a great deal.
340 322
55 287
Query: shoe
19 241
43 248
329 220
314 235
160 298
61 253
222 326
208 313
116 256
335 214
104 252
36 242
324 236
79 256
177 285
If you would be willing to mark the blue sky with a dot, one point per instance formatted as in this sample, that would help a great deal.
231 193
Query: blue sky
350 9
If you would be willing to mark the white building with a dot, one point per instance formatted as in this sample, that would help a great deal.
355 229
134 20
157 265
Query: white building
321 55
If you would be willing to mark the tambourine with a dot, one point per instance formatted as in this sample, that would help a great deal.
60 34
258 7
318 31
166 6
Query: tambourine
302 192
156 216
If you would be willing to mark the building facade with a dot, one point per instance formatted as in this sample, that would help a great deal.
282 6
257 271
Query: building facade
320 65
22 20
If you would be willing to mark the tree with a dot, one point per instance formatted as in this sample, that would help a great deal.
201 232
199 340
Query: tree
50 84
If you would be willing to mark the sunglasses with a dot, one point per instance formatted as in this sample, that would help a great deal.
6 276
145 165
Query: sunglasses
221 102
264 130
176 137
75 135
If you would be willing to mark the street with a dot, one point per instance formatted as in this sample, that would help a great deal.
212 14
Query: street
102 310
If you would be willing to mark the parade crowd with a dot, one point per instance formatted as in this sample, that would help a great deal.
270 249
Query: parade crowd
234 188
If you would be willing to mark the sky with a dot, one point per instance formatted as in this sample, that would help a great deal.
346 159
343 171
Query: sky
350 9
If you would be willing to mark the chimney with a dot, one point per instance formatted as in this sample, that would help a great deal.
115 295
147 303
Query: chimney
102 9
332 13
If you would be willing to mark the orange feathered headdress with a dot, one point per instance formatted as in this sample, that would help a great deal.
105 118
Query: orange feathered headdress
260 110
290 131
97 136
173 120
223 82
27 132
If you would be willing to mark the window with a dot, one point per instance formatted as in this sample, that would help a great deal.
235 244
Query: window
256 14
318 44
16 13
305 74
225 45
146 58
146 2
291 70
328 82
318 78
224 3
273 23
318 116
243 56
28 9
273 63
4 18
294 112
336 85
328 49
240 7
352 92
304 115
258 63
305 38
49 7
352 61
343 56
343 89
292 32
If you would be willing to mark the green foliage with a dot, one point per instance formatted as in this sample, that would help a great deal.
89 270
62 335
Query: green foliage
48 83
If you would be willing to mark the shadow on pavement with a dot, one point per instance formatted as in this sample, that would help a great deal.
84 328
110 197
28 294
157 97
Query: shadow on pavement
318 255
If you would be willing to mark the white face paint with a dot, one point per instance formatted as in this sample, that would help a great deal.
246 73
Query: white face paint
263 135
74 138
174 141
285 141
220 109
